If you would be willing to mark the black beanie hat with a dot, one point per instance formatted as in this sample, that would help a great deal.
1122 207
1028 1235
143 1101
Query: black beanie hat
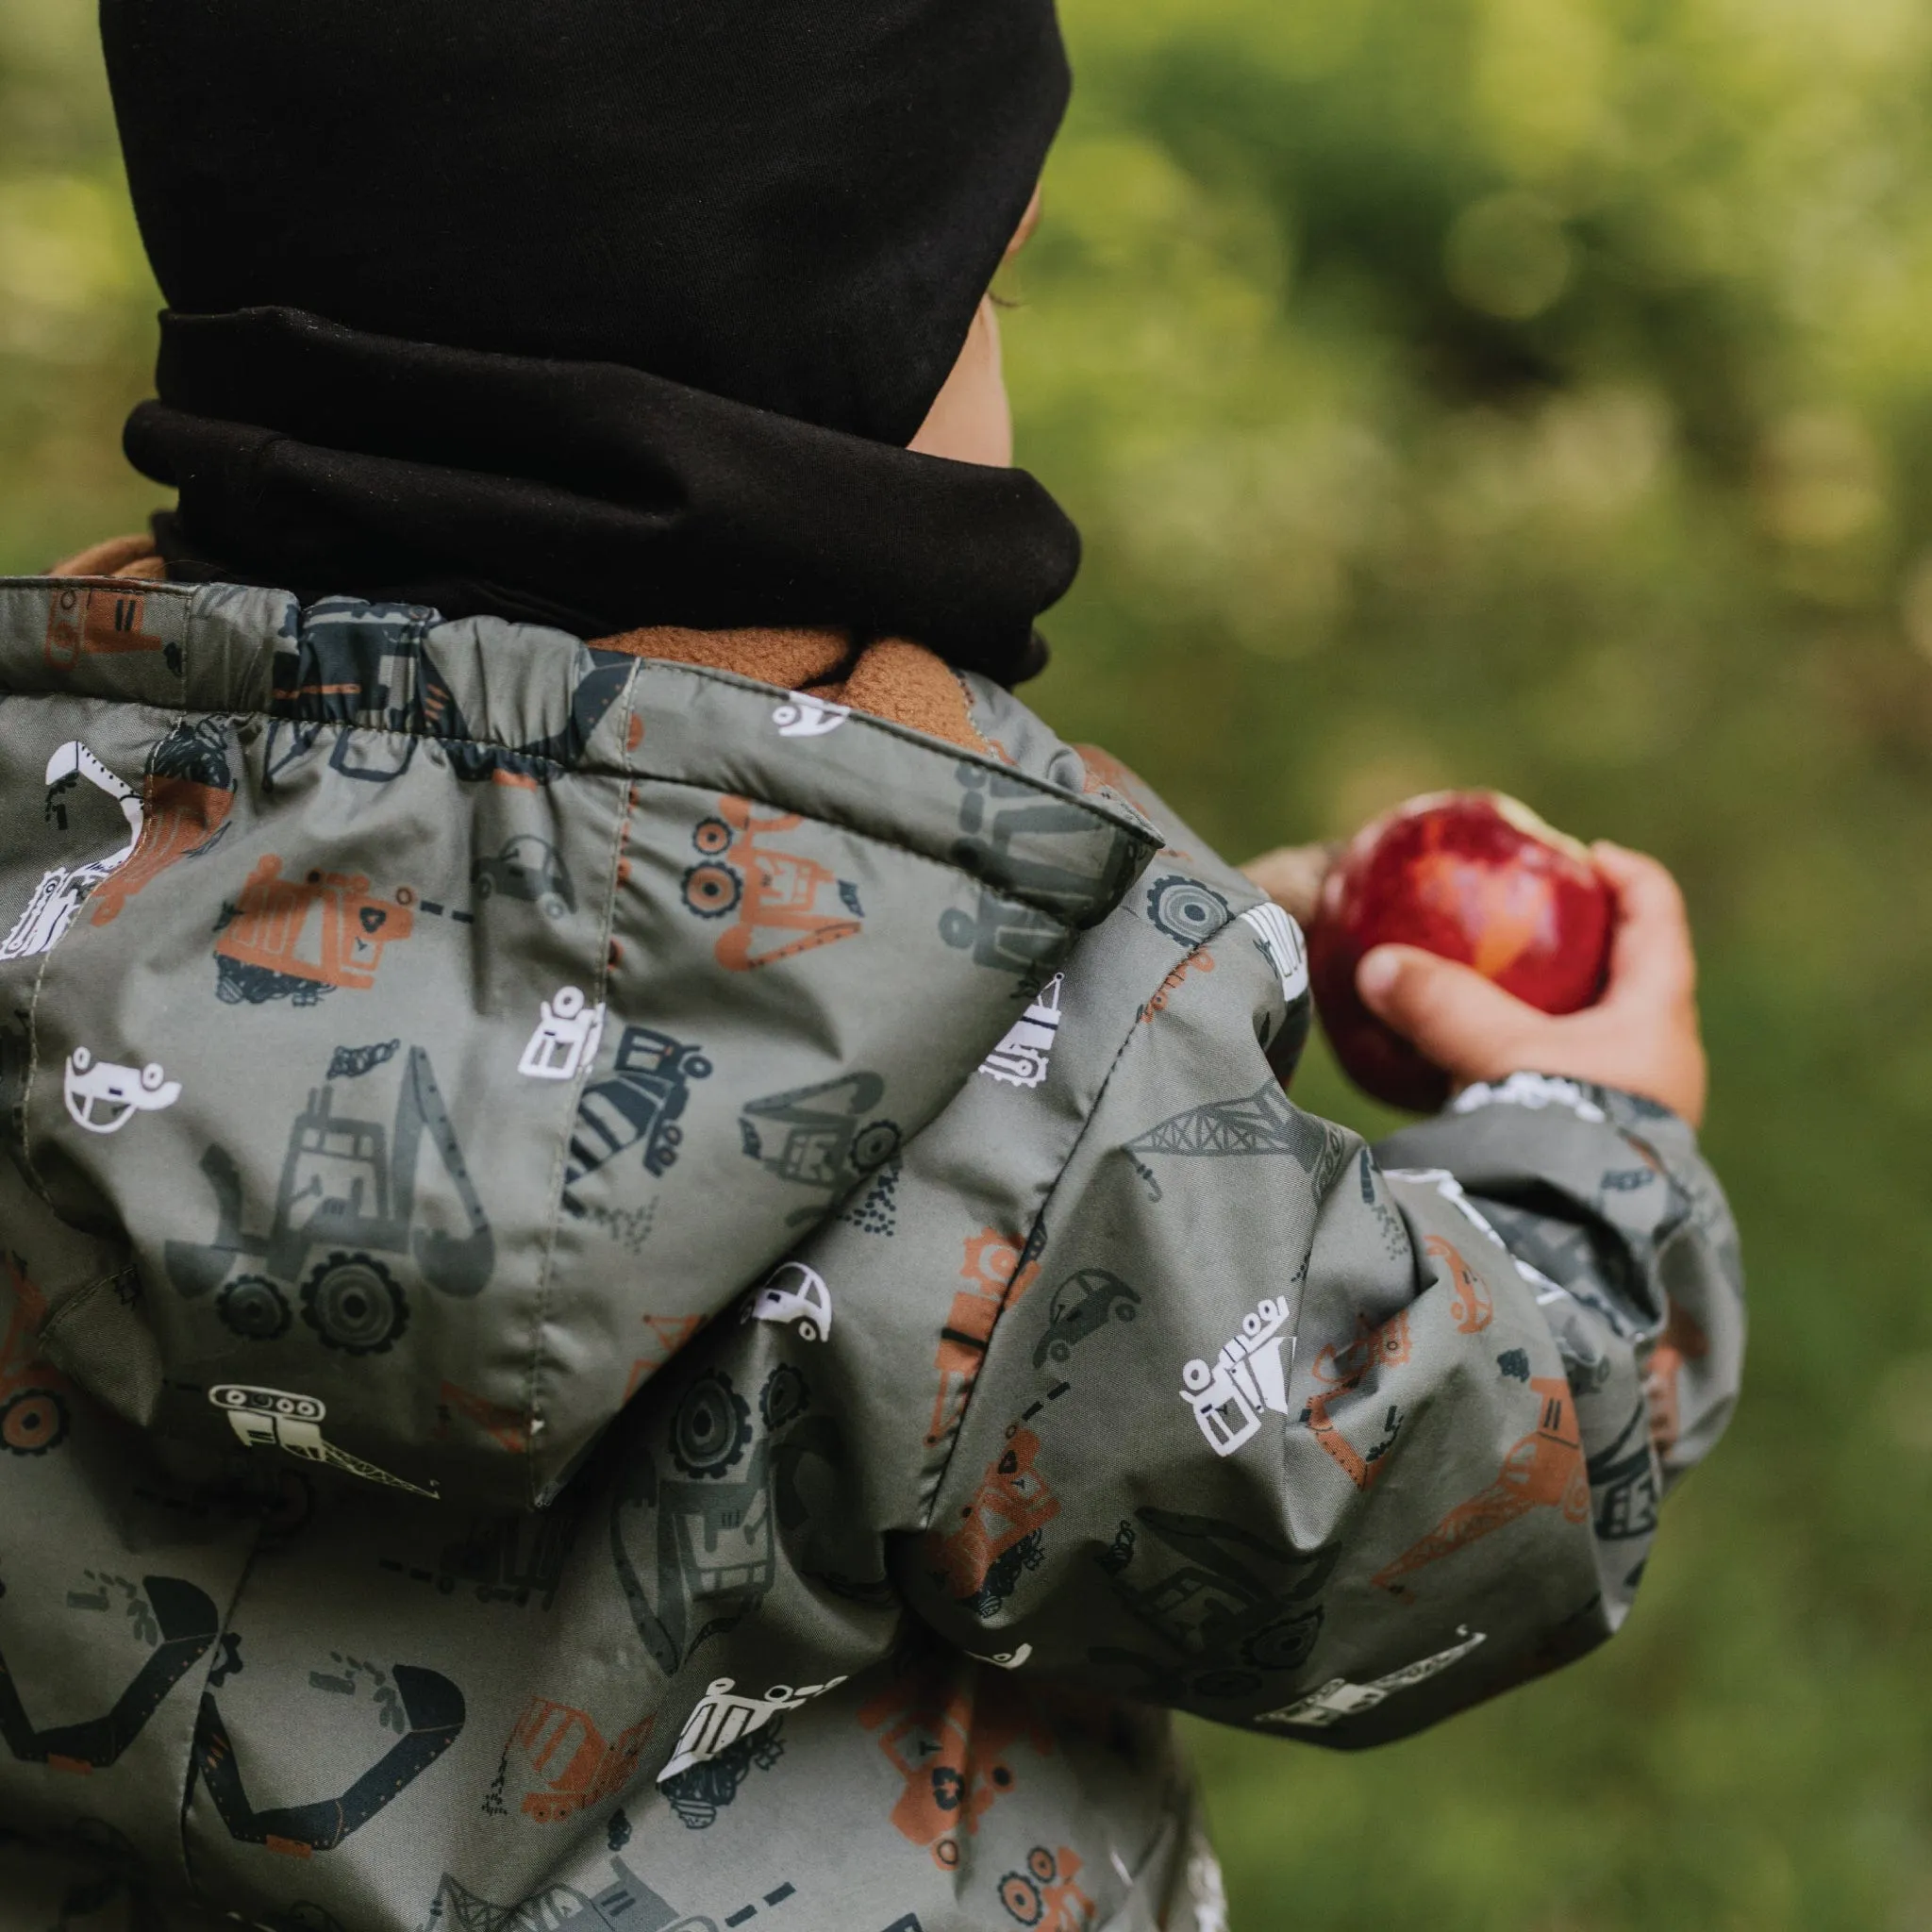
793 204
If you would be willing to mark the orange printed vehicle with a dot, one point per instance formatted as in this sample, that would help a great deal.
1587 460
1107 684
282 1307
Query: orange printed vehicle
996 1272
97 621
950 1739
1341 1371
1000 1536
1045 1895
776 900
185 807
1473 1307
1545 1470
299 940
567 1752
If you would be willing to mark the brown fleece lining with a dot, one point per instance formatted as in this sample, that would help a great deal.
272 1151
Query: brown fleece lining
118 557
792 659
893 678
897 679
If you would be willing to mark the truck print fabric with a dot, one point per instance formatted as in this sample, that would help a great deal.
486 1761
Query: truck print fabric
631 1301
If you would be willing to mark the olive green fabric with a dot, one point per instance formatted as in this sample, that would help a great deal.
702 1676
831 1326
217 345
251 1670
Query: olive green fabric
633 1301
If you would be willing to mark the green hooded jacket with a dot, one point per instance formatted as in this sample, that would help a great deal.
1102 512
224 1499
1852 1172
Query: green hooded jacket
633 1301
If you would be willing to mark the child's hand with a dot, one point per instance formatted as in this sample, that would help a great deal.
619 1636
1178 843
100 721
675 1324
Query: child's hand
1642 1036
1291 875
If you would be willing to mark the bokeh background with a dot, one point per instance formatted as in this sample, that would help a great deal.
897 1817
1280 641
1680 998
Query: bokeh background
1531 392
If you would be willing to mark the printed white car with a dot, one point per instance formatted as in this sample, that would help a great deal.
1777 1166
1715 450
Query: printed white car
797 1294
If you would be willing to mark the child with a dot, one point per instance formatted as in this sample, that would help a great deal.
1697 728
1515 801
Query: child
667 1281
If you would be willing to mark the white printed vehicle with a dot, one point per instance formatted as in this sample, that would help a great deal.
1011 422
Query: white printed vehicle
103 1097
803 1300
1227 1396
568 1031
1339 1698
802 716
721 1717
1020 1058
63 891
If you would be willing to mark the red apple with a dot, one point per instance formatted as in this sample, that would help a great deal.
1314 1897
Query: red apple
1471 876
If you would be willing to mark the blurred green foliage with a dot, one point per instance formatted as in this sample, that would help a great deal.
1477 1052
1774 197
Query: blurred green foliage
1532 393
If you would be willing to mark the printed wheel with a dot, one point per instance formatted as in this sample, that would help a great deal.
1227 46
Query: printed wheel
1283 1644
711 836
254 1308
711 1429
1187 910
711 888
1577 1497
33 1421
1040 1862
353 1303
1022 1899
784 1397
948 1786
554 907
482 884
874 1144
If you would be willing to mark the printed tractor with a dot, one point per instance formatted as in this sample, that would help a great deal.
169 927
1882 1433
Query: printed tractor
299 940
779 903
818 1136
952 1755
348 1187
1045 1893
1000 1536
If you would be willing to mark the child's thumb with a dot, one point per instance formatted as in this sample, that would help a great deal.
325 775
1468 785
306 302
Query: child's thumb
1464 1023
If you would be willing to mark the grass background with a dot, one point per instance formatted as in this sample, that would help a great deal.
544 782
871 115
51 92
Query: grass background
1531 392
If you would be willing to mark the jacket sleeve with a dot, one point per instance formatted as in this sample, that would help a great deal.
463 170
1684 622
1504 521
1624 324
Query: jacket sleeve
1319 1440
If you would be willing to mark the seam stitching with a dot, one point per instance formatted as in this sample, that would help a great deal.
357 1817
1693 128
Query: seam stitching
1052 1195
547 1275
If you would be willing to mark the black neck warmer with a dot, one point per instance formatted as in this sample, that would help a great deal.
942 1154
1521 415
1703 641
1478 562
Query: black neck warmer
319 460
628 302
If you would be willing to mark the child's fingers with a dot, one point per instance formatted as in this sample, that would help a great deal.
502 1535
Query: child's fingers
1291 875
1466 1024
1652 959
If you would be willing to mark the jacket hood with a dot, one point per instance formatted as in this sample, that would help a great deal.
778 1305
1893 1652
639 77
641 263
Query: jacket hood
361 973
